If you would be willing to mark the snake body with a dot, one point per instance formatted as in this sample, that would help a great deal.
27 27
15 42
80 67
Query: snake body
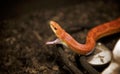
93 35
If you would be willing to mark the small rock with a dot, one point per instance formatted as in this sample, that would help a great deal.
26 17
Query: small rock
55 68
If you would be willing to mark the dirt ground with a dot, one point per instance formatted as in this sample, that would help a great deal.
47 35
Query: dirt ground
22 39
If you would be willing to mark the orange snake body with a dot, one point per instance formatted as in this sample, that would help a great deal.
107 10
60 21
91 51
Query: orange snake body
93 35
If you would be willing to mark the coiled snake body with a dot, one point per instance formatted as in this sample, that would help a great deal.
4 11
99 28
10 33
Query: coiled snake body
93 35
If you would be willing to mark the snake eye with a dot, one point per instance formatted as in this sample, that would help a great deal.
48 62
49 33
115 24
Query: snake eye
55 28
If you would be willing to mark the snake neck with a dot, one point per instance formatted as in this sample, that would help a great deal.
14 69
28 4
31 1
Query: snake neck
77 47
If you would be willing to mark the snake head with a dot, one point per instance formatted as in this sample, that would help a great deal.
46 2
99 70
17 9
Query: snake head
59 32
56 29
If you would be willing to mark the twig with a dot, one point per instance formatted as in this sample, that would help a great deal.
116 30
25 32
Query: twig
67 62
37 35
87 66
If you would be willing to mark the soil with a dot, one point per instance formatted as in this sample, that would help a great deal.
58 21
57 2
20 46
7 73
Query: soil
22 41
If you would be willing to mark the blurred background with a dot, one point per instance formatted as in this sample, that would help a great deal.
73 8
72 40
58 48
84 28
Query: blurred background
24 30
13 8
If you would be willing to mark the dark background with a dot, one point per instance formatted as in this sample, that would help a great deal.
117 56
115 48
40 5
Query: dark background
24 30
13 8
